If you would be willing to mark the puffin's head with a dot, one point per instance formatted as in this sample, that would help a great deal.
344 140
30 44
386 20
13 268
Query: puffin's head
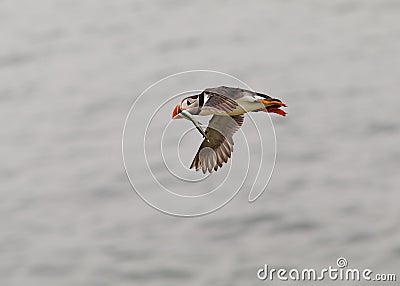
190 104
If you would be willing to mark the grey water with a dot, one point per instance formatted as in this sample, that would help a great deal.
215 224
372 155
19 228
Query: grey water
69 73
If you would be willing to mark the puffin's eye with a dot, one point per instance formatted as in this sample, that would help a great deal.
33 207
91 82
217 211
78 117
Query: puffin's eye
188 102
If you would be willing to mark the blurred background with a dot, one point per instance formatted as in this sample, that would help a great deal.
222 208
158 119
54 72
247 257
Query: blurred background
69 72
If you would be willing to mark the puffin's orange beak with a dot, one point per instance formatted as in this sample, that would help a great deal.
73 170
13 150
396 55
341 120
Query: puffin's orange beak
175 113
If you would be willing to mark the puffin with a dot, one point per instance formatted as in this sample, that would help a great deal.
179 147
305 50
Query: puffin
227 105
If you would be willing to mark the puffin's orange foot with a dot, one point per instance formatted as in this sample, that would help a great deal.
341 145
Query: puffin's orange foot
275 110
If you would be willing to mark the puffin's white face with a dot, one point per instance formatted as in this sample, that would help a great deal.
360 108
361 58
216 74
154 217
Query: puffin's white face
190 103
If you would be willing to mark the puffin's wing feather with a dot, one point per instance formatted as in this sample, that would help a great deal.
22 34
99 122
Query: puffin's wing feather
217 147
219 103
231 92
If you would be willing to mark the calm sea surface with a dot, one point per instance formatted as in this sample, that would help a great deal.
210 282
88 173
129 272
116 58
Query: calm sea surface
69 73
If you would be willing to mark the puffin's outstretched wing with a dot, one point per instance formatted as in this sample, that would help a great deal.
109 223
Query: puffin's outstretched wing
218 103
217 147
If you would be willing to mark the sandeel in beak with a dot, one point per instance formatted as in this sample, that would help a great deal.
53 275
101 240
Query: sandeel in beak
189 116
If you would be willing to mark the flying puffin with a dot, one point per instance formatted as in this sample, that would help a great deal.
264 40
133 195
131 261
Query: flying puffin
228 106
